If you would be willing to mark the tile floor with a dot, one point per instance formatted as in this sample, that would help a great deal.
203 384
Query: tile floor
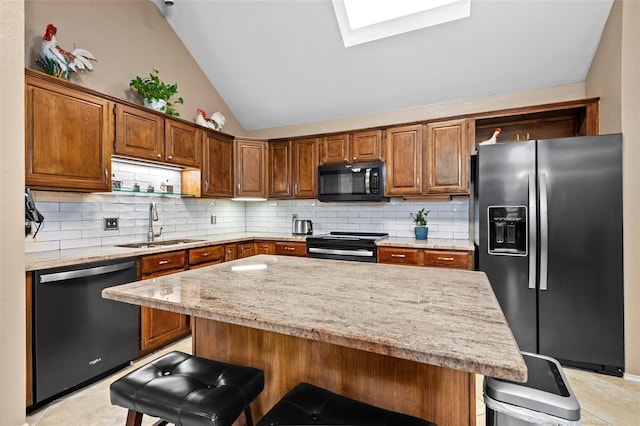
604 400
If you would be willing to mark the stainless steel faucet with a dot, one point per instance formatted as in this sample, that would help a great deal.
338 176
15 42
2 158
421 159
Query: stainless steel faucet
153 216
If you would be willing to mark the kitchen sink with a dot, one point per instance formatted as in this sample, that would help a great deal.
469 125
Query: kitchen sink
149 244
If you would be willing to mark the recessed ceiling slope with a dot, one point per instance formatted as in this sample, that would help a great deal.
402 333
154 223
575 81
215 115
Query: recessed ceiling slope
283 62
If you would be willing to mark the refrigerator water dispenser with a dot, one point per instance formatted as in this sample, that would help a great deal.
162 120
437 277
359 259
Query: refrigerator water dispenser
507 230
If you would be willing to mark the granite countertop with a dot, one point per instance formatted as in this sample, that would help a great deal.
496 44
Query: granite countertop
444 317
55 258
433 243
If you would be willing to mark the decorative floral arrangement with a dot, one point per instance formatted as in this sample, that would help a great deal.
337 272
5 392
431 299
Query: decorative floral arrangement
420 218
58 62
153 89
216 121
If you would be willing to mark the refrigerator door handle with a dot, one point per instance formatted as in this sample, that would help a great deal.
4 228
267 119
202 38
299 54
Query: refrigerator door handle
544 232
533 232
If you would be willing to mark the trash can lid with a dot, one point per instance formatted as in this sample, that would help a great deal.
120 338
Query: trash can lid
547 389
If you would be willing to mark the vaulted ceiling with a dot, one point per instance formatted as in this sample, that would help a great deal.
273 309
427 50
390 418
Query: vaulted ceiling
283 62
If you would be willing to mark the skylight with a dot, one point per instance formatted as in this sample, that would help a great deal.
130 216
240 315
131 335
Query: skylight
362 21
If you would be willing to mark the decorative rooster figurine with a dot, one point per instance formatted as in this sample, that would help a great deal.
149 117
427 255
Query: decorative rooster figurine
59 62
216 121
493 139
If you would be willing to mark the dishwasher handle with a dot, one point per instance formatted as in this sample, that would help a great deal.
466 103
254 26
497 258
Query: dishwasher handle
89 272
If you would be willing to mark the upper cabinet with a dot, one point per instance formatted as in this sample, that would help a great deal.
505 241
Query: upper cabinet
293 166
183 143
352 147
250 168
404 160
69 134
305 168
139 133
280 169
217 165
366 146
144 134
446 157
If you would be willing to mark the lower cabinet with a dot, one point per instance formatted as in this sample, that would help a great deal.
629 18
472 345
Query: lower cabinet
245 249
457 259
159 327
291 249
205 256
264 247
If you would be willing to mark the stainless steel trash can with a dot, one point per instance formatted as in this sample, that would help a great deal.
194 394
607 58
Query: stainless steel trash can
546 398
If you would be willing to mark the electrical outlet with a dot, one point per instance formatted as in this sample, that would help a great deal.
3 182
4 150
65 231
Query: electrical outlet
213 219
111 223
294 216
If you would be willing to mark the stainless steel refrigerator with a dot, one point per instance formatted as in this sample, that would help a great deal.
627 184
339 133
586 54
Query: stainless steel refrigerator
549 237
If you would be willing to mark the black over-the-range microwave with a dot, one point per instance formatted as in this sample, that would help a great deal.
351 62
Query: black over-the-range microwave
352 182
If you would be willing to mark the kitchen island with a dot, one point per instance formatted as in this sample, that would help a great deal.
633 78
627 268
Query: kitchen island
406 339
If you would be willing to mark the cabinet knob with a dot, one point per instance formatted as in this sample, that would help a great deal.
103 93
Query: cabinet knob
354 158
159 155
171 157
401 256
446 259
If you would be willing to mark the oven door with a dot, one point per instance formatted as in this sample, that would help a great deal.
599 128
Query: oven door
352 254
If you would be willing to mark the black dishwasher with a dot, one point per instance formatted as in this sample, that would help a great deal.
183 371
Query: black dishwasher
79 337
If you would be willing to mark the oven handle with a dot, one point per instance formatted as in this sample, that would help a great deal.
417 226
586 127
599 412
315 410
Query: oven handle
360 253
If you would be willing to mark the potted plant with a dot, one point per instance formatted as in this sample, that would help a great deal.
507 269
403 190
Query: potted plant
156 94
420 218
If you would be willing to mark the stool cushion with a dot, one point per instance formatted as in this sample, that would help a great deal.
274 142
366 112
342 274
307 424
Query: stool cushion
307 404
188 390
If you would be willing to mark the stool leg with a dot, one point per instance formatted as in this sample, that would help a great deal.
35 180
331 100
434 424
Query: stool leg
247 416
161 423
134 418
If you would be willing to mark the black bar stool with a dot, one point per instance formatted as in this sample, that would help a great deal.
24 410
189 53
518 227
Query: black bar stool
306 404
188 391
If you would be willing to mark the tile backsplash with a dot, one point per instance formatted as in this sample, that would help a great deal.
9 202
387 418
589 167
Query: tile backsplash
75 220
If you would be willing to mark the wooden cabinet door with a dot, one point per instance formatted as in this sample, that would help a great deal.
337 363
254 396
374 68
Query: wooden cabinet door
217 170
305 168
183 143
366 146
69 138
230 252
447 157
139 133
291 248
334 149
404 160
159 327
280 165
250 168
245 250
264 247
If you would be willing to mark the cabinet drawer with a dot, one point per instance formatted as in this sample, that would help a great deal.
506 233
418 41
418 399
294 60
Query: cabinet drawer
206 255
161 262
399 256
448 259
245 250
291 249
